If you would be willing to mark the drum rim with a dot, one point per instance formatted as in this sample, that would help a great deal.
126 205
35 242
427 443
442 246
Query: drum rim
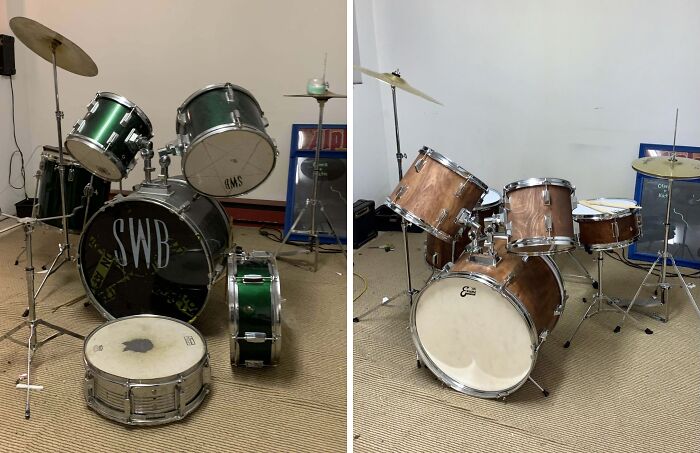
172 378
139 195
611 245
444 377
127 103
447 162
215 86
414 219
493 204
632 210
275 300
533 182
221 128
52 155
540 241
97 146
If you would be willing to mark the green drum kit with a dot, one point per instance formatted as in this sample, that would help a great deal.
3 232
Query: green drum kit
148 260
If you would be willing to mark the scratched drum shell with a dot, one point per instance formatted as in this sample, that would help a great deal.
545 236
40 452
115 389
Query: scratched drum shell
155 251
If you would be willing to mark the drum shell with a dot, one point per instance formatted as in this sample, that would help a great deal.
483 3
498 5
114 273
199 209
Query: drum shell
204 216
526 211
146 401
439 252
99 125
600 234
534 281
429 188
254 307
76 178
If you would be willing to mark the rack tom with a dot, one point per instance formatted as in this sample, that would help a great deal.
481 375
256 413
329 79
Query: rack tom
538 216
615 228
435 192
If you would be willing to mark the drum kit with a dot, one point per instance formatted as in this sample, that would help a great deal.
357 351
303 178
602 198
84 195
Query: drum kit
148 260
496 292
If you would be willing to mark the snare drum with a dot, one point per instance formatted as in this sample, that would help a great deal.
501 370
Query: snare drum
439 252
618 227
538 216
145 370
77 179
228 152
433 194
478 328
158 250
254 309
98 141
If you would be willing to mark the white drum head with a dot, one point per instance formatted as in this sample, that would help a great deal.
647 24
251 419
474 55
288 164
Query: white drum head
491 198
229 163
144 347
477 343
96 162
585 211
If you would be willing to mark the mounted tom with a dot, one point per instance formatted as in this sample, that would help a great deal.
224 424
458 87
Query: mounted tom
538 216
99 140
436 194
227 151
255 305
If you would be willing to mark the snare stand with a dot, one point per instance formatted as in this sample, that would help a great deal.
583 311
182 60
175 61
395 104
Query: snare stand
33 343
314 202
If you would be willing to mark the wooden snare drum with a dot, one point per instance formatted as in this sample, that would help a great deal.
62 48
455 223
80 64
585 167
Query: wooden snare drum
538 216
433 193
617 228
479 327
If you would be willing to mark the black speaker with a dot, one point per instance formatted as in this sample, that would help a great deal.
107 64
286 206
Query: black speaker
364 227
7 55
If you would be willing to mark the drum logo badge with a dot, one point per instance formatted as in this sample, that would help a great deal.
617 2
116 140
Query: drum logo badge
189 341
232 183
140 240
468 291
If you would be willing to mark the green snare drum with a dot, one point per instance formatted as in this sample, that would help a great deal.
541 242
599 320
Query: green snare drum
227 151
254 303
98 141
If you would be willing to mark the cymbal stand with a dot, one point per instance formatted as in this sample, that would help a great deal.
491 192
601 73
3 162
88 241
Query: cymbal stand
664 256
586 275
313 202
32 321
597 302
409 291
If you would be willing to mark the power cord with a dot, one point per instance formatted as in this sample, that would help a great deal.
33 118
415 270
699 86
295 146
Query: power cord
23 187
364 281
275 234
644 266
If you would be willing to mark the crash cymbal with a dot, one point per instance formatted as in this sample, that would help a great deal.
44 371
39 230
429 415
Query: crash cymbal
396 81
41 39
668 168
326 95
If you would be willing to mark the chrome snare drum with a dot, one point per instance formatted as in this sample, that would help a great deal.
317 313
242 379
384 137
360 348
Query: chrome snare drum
227 151
145 370
616 227
157 250
538 216
98 141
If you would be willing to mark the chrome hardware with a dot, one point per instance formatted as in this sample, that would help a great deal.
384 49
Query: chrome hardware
265 122
548 223
71 174
420 163
500 288
236 118
464 217
254 363
460 189
546 197
181 403
509 228
113 136
543 335
253 278
125 119
79 126
574 201
559 310
93 106
441 217
255 337
184 207
615 229
230 95
399 193
181 118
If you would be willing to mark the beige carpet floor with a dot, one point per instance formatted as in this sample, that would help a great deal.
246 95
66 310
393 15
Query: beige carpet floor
298 406
626 392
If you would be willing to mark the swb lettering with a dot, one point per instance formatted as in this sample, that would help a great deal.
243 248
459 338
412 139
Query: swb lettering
139 236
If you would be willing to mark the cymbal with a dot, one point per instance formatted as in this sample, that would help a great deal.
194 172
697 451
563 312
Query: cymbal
396 81
326 95
665 167
40 40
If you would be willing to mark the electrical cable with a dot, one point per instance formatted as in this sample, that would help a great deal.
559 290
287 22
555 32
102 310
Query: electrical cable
363 289
644 266
275 234
23 187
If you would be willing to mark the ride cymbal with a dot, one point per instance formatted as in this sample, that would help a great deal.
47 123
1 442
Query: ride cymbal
668 168
397 81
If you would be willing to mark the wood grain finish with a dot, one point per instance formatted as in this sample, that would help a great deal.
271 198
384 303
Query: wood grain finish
533 282
526 213
602 232
428 191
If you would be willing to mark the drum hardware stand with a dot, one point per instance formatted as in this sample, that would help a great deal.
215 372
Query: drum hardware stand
314 202
586 275
33 322
597 302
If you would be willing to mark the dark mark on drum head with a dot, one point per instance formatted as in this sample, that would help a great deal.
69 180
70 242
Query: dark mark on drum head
138 345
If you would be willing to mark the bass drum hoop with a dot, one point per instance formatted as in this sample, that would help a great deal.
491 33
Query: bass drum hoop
141 196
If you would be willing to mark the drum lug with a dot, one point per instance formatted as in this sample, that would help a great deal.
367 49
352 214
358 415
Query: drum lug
113 136
506 282
71 174
181 403
548 223
184 207
230 94
265 123
255 337
460 189
420 163
441 217
128 400
615 230
509 228
236 118
559 310
92 107
182 121
574 201
79 126
399 193
546 197
254 279
126 118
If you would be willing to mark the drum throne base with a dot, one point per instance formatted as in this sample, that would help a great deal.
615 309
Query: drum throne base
597 302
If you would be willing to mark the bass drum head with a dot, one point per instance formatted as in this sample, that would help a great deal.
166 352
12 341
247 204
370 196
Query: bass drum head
229 162
139 257
471 337
95 160
144 347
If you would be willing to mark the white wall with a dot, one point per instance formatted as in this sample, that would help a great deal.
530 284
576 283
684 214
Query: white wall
157 52
561 88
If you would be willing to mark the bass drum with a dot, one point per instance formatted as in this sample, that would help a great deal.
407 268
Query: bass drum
155 251
478 328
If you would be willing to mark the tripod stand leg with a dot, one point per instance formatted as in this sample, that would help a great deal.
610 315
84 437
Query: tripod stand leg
289 233
330 225
544 392
685 285
585 316
636 295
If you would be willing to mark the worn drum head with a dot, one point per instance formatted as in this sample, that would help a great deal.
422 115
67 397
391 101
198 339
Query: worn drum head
94 159
229 161
471 337
144 347
584 212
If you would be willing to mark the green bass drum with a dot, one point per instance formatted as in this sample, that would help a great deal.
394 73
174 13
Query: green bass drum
254 303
